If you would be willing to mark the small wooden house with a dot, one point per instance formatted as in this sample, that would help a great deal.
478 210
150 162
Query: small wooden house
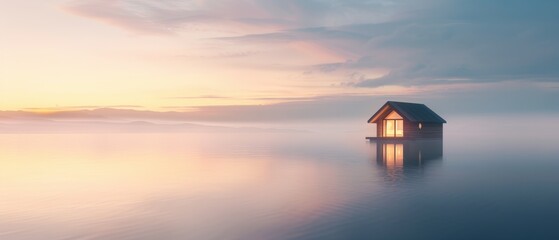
407 120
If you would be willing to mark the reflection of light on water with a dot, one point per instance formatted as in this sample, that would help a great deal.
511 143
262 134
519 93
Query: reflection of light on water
107 186
393 158
399 156
393 155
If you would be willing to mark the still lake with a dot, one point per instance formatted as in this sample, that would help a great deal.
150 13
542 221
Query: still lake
495 183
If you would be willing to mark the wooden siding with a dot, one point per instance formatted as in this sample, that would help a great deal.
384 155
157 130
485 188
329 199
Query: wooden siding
410 129
431 130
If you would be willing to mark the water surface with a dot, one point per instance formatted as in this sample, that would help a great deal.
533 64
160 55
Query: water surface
277 186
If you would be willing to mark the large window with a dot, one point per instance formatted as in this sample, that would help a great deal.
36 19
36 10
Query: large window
393 125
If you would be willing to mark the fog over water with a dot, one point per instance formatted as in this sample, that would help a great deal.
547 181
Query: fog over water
489 177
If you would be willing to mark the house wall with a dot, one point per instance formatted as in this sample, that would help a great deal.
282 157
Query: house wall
411 130
429 130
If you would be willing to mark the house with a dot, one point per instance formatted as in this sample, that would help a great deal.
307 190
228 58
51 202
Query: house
406 120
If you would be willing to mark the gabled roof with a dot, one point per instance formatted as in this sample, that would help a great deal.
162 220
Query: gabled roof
413 112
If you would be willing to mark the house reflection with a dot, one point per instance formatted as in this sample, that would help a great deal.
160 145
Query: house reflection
399 158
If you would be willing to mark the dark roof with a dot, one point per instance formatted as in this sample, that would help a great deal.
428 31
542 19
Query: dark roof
413 112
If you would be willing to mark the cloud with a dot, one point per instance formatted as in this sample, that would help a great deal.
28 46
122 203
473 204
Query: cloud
444 41
416 43
170 15
428 48
203 97
111 12
248 98
64 108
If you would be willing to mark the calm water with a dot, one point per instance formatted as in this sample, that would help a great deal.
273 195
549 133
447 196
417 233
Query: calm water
278 186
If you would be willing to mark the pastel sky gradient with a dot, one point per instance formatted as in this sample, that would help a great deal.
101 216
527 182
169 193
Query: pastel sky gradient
242 60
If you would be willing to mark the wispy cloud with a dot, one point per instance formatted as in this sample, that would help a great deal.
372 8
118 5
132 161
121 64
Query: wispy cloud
250 98
426 49
203 97
65 108
155 17
417 43
173 15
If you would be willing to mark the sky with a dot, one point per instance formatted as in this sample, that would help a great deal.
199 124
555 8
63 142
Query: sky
271 60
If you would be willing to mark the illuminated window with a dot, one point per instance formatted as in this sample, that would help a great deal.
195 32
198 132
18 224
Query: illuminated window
393 125
393 115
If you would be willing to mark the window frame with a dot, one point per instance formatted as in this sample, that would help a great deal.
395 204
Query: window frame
395 123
